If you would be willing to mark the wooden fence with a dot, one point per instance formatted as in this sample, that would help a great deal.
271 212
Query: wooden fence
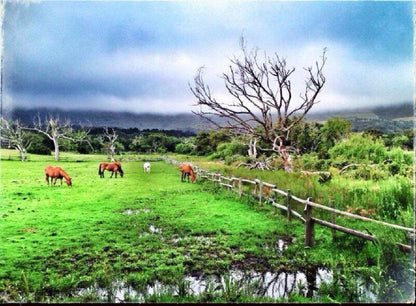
266 192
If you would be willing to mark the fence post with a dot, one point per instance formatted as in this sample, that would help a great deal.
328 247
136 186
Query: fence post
275 198
332 220
289 211
240 187
260 191
309 231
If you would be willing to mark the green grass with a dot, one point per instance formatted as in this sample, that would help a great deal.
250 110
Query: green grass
141 229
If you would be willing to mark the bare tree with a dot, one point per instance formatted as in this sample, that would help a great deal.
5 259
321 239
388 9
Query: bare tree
13 133
111 138
261 92
55 129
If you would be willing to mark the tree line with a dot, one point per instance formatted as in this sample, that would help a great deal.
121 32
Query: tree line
314 146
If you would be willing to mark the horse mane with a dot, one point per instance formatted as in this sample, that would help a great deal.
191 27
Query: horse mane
64 174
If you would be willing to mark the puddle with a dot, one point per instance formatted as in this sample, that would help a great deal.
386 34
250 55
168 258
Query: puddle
203 239
268 284
154 230
279 246
129 211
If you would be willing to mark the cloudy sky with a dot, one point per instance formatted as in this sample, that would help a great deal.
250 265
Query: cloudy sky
140 55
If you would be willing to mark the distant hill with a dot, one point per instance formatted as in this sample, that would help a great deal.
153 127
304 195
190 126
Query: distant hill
185 122
386 118
393 118
397 111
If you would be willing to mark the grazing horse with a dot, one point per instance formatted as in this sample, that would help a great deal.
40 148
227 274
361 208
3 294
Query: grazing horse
114 167
187 172
56 173
146 167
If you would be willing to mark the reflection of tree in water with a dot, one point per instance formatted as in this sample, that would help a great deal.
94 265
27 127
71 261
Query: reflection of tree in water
282 283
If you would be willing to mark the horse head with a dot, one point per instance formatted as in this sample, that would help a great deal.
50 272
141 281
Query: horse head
193 178
68 181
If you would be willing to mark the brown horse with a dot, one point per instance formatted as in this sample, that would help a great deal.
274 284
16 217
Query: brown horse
114 167
187 172
56 173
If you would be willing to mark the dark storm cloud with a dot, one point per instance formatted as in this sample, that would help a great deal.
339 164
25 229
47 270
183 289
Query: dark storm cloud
141 55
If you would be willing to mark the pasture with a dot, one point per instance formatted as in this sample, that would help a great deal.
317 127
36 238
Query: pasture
152 234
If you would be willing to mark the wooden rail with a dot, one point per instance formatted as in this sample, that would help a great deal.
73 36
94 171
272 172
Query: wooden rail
267 192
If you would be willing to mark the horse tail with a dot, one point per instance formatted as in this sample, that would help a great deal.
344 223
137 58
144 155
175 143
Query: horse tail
99 170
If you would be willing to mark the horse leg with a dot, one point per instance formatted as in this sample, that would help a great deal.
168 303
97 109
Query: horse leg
111 175
182 176
47 179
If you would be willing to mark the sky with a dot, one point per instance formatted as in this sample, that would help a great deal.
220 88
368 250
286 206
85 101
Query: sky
140 56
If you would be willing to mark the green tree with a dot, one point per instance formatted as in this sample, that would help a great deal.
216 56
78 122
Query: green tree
206 142
359 148
332 131
304 137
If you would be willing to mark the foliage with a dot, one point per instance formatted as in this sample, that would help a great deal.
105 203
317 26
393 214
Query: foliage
332 131
358 148
187 146
39 144
228 149
153 142
206 142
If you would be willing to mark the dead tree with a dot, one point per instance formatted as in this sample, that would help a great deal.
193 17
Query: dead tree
55 129
261 103
111 138
13 133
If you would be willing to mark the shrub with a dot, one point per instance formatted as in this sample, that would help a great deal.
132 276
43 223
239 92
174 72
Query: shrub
312 162
358 149
225 150
185 148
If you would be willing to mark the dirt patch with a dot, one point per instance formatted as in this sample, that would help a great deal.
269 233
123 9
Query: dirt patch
29 229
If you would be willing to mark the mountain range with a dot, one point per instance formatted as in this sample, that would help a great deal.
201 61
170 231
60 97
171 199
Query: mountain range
397 115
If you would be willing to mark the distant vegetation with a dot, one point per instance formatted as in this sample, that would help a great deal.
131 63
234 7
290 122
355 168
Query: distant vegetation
386 119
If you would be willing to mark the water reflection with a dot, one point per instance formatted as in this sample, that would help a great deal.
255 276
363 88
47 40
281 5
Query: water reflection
266 284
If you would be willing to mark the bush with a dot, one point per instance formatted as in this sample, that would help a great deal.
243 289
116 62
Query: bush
359 149
185 148
312 162
225 150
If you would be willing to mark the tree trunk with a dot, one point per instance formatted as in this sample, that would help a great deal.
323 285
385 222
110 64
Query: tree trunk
22 152
22 155
112 152
56 145
287 163
252 150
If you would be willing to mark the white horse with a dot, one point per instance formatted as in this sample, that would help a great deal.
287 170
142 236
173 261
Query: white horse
146 167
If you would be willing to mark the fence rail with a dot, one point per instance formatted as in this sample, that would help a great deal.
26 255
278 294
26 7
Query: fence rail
267 192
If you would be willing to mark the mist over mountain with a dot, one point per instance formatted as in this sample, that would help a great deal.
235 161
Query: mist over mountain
384 118
398 111
184 122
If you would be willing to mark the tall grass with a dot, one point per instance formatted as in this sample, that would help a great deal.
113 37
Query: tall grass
391 199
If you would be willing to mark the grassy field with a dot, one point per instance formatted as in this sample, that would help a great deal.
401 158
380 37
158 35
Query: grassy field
82 243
